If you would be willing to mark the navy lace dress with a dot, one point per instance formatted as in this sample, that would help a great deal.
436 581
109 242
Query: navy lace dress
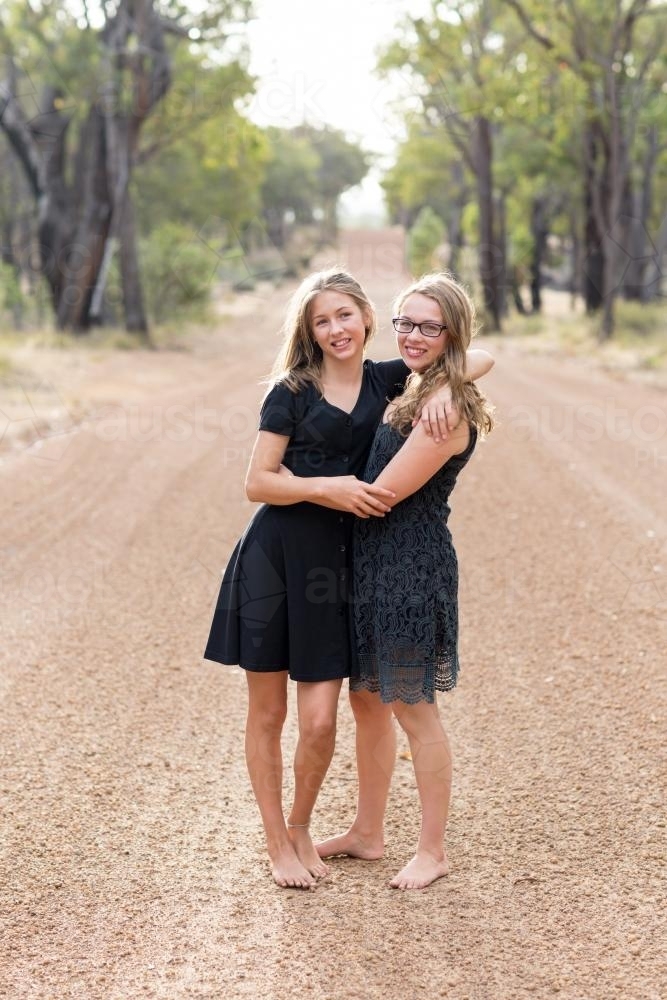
405 586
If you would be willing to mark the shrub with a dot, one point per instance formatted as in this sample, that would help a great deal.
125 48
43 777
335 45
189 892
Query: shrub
424 238
12 299
177 271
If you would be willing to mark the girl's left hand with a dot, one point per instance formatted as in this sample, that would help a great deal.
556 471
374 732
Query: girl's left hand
439 416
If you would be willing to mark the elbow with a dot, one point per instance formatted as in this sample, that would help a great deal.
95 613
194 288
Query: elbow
251 489
478 363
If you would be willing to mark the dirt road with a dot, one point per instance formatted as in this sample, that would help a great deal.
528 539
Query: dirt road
132 861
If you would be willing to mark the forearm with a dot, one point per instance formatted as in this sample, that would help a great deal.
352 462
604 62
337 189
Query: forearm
280 489
334 492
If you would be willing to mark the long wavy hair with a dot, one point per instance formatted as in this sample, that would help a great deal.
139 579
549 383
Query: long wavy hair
300 359
458 315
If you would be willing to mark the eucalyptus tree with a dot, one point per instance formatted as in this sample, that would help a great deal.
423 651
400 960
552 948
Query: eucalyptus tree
458 60
82 81
429 173
616 54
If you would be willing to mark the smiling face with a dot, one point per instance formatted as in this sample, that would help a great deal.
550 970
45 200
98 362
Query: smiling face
418 351
338 326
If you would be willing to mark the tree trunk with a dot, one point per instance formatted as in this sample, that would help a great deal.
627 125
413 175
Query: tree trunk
501 215
275 226
83 205
133 300
607 325
652 276
516 291
540 231
7 250
575 258
593 255
83 234
489 252
454 220
637 282
122 230
614 182
456 239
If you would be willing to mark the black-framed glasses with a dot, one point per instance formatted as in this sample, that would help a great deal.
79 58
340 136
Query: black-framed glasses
427 329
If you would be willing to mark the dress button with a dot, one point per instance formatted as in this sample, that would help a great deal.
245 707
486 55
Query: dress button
341 612
348 422
341 519
342 548
346 458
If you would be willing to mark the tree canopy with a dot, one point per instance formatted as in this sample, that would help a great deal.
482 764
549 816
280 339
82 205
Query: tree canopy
530 118
121 117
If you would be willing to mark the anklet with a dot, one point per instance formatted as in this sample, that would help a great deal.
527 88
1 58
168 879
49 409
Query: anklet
293 826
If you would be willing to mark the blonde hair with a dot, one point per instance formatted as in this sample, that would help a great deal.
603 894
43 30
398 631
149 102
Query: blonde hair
300 359
458 315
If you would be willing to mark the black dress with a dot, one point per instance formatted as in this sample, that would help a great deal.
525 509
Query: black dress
285 599
405 586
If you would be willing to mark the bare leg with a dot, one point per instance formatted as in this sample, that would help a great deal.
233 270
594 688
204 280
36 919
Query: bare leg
267 708
432 761
376 755
318 707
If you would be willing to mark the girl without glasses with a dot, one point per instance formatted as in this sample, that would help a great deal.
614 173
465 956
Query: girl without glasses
405 581
284 609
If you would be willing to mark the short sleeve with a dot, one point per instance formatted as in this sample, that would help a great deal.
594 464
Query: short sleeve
279 412
394 374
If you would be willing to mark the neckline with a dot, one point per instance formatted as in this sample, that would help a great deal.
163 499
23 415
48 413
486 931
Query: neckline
348 413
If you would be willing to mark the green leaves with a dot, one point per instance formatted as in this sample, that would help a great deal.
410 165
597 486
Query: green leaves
425 237
574 93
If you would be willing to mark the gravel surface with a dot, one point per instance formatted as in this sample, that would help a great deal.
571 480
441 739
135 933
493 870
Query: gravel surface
132 857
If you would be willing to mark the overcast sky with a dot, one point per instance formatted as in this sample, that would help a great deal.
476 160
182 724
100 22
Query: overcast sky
315 62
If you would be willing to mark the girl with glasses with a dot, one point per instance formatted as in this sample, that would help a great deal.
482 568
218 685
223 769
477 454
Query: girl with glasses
405 580
284 608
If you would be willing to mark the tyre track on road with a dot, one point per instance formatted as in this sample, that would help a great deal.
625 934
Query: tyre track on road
132 860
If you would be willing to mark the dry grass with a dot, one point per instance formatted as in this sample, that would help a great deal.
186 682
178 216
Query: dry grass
639 343
6 366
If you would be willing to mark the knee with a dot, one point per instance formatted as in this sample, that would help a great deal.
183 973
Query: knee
318 728
420 720
368 708
268 718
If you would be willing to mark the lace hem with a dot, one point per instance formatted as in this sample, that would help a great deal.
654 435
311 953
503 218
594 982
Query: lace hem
405 682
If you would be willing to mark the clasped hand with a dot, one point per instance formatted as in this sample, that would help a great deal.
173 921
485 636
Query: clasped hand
355 496
351 494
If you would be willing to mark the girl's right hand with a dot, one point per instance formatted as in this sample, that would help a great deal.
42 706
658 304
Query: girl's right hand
354 496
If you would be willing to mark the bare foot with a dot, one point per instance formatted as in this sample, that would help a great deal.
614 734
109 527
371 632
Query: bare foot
420 872
353 845
305 851
288 872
